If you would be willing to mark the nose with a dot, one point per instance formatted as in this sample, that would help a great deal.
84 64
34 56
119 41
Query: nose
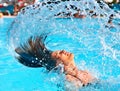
63 51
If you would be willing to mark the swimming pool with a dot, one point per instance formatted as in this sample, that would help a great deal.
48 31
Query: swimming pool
16 77
96 46
13 76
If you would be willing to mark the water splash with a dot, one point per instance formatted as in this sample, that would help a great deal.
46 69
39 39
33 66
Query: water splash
92 39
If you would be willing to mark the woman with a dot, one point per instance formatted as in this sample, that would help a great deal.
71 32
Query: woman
35 54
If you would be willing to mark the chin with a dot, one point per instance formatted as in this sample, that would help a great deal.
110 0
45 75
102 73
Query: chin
72 56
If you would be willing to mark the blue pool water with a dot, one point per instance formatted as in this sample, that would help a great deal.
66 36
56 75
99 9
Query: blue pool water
94 42
90 55
14 76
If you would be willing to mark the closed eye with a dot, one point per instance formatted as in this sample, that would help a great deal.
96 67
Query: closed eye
56 55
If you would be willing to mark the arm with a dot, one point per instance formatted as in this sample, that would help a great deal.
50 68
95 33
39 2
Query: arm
74 81
84 76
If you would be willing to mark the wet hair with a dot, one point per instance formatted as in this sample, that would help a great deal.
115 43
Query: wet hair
34 54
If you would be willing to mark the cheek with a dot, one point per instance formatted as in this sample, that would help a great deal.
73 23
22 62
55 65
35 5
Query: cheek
72 56
63 57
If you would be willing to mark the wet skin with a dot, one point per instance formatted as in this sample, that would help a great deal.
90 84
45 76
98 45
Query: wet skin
73 74
63 56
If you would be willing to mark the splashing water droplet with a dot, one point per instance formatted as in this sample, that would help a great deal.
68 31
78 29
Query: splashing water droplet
91 37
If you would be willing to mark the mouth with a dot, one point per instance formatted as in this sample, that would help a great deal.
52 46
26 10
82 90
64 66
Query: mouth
67 53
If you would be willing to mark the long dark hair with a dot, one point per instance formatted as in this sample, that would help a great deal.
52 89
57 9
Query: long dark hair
33 53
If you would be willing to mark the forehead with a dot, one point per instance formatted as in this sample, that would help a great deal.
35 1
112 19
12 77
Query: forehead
54 52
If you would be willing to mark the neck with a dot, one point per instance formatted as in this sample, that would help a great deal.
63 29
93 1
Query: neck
71 69
70 63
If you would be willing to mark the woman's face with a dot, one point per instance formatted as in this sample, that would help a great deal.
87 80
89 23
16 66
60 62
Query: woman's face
63 55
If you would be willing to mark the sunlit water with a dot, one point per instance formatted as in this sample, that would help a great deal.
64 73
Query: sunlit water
95 46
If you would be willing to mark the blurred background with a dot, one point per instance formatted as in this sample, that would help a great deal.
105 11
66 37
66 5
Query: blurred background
12 7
